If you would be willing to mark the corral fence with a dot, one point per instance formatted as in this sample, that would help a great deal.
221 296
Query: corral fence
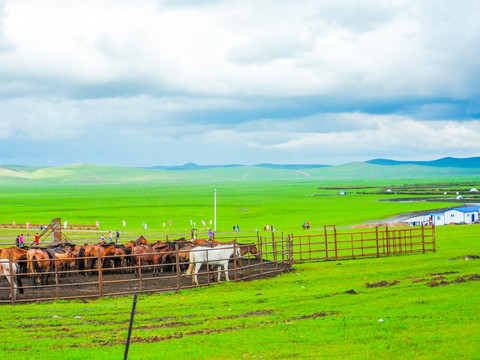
277 253
99 279
333 244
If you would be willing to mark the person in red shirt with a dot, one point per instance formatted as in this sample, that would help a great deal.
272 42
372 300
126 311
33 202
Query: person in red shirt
36 238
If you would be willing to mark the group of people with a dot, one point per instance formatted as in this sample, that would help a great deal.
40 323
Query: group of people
236 228
194 234
306 225
110 237
19 240
268 228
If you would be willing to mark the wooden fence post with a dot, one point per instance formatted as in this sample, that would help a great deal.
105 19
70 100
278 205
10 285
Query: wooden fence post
387 239
208 267
234 260
274 247
177 266
55 263
300 247
434 247
12 278
335 238
291 252
140 275
326 243
423 239
100 275
261 255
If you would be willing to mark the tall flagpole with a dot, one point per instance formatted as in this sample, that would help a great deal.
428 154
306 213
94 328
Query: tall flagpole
215 210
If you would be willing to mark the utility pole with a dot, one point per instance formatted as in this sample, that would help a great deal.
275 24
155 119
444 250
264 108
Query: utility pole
215 210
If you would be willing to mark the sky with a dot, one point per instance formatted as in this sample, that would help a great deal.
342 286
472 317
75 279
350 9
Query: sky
168 82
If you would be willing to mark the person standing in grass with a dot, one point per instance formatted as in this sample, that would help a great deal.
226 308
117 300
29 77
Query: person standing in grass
36 238
20 239
110 237
103 239
17 241
210 234
117 236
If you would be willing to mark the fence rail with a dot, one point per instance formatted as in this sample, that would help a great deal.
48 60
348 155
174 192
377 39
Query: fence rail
333 244
99 279
277 253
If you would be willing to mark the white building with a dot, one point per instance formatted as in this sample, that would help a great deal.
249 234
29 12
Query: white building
465 215
461 215
438 219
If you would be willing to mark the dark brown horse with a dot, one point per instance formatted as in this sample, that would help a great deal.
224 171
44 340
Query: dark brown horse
122 257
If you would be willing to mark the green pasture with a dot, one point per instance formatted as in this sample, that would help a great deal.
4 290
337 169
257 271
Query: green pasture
319 310
283 204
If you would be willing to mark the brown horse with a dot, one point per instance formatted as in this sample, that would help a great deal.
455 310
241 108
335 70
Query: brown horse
15 252
62 259
146 254
205 242
105 251
39 265
167 253
156 244
140 241
122 257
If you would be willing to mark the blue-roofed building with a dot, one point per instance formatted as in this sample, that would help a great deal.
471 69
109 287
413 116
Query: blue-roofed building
460 215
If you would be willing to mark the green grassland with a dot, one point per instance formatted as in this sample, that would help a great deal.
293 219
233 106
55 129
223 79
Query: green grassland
286 205
308 313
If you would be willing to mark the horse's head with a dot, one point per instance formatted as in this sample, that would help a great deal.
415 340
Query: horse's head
141 241
252 249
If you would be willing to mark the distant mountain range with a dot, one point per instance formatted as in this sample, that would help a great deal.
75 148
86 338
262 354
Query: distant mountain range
373 169
473 162
192 166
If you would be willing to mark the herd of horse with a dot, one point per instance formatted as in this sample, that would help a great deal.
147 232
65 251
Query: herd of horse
39 262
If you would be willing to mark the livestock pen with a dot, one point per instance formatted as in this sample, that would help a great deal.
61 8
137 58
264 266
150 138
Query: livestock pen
277 253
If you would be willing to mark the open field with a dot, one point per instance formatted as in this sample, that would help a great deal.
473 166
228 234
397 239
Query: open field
319 310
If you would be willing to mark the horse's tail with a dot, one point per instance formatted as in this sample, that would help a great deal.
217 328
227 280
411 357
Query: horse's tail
81 262
22 268
19 284
35 264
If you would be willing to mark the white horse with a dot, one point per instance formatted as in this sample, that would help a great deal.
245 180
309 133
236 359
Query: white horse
218 255
5 270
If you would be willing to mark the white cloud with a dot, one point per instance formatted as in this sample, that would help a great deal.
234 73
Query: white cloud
256 48
372 134
235 73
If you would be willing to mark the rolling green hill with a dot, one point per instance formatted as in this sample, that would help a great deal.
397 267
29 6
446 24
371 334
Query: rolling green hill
103 174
